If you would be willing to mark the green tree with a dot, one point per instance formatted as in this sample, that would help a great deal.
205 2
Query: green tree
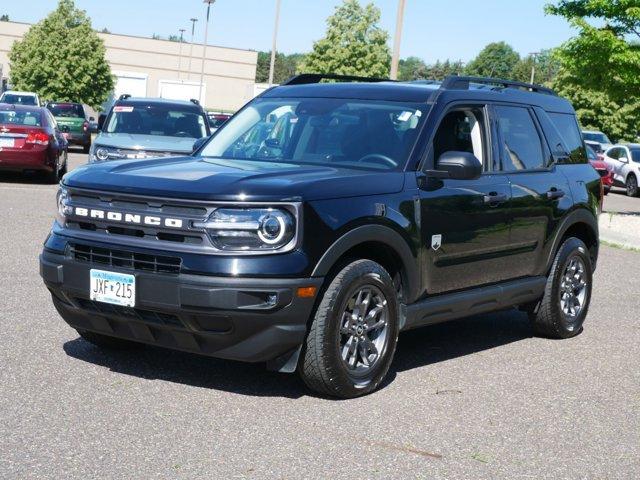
4 18
546 65
605 55
63 59
411 68
495 60
285 66
597 111
354 44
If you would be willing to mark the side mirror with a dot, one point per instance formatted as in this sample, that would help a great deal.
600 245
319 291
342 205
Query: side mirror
624 159
272 143
459 165
197 145
101 119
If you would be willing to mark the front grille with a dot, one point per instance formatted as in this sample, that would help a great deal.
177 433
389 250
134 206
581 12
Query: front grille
125 259
140 207
148 316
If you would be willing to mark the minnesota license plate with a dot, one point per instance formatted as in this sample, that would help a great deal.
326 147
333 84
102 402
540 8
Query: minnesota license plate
112 287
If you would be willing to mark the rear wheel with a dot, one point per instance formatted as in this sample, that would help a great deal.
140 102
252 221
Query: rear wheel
85 148
353 335
111 343
632 185
562 310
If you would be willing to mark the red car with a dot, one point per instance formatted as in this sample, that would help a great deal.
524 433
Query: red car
30 141
603 169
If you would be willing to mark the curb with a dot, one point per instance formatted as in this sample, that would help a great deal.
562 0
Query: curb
620 229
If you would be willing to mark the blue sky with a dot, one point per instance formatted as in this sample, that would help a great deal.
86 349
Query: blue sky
433 29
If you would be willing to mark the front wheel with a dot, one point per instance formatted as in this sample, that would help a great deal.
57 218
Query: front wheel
564 306
353 335
632 185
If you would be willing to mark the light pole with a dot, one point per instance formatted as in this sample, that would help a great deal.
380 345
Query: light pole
204 49
534 56
182 30
193 31
273 44
395 58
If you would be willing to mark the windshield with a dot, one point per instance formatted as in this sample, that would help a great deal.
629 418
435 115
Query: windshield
68 110
22 117
162 121
321 131
18 99
596 137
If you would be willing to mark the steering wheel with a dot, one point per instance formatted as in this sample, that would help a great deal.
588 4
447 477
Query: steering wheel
182 134
388 161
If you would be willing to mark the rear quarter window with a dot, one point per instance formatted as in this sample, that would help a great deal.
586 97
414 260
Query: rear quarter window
567 126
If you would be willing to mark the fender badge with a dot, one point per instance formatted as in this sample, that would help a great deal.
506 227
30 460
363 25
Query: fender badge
436 242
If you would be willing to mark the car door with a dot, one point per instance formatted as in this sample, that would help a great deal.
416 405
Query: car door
464 223
612 158
541 192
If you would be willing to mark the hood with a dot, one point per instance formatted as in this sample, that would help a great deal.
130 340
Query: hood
218 179
154 143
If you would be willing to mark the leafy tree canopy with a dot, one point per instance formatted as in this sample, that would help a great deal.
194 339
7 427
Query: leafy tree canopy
285 66
605 55
354 44
414 68
495 60
4 18
62 59
546 66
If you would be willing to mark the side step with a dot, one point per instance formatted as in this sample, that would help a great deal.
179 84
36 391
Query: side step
451 306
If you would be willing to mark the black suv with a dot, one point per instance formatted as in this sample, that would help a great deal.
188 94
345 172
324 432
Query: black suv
326 217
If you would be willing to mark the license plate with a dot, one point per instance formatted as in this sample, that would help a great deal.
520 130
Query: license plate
111 287
6 142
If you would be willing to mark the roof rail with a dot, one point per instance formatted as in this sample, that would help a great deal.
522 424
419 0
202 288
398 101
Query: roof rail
194 101
305 78
455 82
124 96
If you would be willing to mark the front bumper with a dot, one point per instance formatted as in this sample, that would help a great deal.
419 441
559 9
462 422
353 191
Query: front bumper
79 138
248 319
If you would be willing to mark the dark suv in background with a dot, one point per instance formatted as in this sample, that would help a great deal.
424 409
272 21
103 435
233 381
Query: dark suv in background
324 218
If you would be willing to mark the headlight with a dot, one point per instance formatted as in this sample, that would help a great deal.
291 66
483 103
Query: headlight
100 154
251 229
64 209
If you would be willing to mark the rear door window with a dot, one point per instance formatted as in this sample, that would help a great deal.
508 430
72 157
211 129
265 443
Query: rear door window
567 126
521 145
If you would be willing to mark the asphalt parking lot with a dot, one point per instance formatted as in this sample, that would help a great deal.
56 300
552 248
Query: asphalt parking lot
474 399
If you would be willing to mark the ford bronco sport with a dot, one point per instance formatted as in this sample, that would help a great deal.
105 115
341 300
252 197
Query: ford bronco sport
326 217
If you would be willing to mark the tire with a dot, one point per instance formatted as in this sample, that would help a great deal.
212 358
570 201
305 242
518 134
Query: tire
110 343
54 176
632 185
322 366
556 315
85 148
606 190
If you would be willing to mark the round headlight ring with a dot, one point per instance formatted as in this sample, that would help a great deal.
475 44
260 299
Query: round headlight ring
102 153
272 228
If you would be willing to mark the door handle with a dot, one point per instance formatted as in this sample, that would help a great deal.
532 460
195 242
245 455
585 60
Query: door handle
555 193
495 198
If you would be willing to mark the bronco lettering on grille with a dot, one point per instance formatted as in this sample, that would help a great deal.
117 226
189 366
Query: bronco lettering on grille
129 218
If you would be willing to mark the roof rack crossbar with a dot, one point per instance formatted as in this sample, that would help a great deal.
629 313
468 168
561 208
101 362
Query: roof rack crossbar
305 78
455 82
